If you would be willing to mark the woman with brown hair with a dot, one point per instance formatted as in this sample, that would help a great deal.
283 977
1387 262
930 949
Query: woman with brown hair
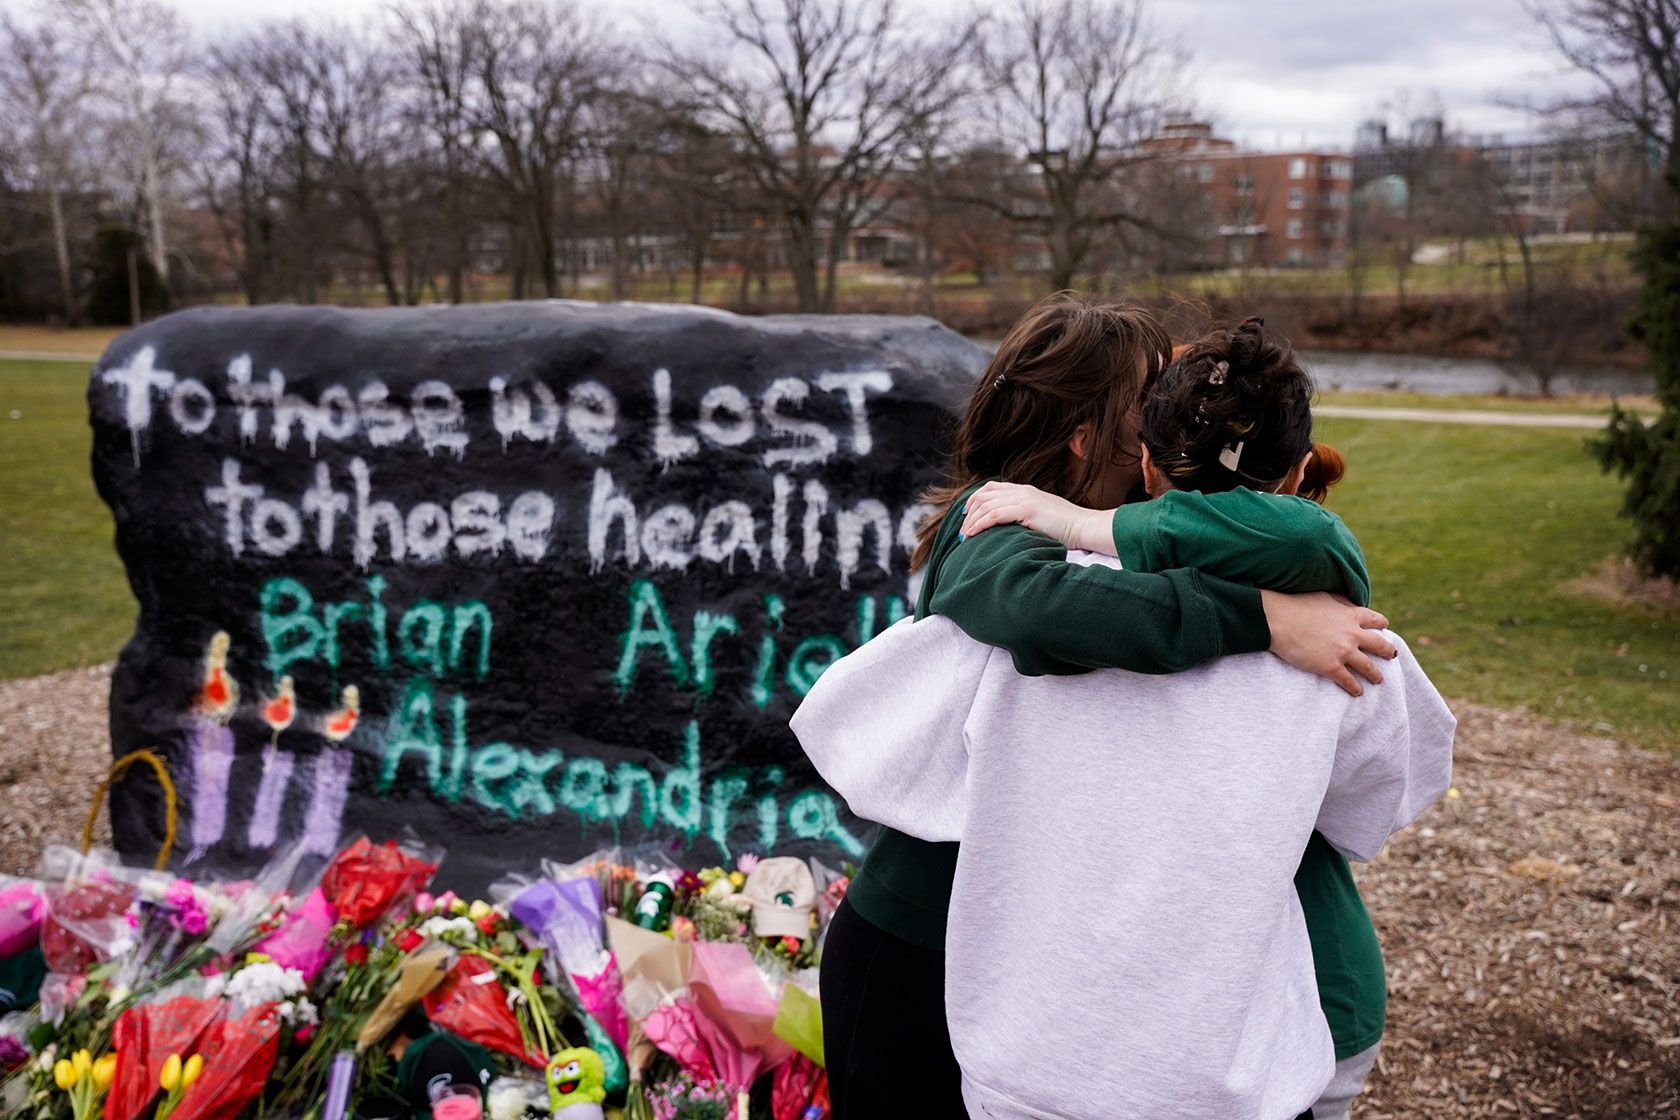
1231 417
1057 408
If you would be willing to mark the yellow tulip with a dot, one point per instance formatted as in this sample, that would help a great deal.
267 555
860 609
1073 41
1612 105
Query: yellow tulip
64 1074
171 1075
478 909
83 1061
104 1070
737 879
190 1071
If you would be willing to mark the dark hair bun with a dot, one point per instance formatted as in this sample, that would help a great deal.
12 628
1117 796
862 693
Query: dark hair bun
1234 409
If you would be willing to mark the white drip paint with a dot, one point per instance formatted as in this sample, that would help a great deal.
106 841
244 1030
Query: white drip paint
855 385
668 446
592 416
816 504
728 400
812 442
439 419
370 517
514 418
665 537
608 503
849 527
326 505
137 380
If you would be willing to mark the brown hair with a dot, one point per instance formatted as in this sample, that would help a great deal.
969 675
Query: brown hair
1234 409
1069 360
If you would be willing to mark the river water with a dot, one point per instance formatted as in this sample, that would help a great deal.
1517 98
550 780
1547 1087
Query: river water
1414 373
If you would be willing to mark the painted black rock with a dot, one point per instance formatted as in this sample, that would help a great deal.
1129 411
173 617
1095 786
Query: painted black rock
527 579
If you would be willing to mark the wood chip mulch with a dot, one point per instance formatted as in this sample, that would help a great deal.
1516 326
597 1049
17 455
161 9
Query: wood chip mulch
1531 924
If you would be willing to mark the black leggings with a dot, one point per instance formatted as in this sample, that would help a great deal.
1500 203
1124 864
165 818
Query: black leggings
884 1033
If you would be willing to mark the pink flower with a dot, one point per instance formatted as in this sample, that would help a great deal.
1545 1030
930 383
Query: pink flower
194 922
746 863
180 894
303 1034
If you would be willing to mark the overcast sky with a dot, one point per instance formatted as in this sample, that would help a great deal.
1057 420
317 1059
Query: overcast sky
1270 73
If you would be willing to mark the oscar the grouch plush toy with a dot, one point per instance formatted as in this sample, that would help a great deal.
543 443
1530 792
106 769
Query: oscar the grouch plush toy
576 1085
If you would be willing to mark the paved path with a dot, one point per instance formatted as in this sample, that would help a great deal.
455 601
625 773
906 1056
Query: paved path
1465 416
46 356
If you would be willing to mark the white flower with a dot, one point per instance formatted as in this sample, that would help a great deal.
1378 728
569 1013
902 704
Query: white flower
507 1101
440 925
264 982
720 888
299 1013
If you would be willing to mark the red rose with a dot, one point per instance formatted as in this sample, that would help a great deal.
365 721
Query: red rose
411 940
356 954
487 924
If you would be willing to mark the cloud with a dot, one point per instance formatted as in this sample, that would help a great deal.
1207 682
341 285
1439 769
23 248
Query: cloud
1270 73
1273 73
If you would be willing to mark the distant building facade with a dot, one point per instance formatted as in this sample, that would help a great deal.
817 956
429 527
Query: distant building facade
1265 209
1554 184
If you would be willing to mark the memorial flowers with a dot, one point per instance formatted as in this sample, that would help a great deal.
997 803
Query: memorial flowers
216 1001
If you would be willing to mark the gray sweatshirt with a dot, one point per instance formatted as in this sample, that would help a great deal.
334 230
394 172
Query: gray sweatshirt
1124 937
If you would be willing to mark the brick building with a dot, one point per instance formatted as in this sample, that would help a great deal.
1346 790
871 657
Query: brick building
1268 209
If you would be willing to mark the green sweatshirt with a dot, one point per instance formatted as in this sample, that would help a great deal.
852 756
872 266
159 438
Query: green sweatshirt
1013 588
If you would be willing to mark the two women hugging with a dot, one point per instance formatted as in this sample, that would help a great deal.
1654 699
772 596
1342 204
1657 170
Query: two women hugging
1123 753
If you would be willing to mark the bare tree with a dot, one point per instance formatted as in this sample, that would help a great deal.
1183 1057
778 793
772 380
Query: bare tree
1074 86
536 67
1631 50
626 138
363 139
695 184
438 41
823 97
143 50
237 168
977 236
45 77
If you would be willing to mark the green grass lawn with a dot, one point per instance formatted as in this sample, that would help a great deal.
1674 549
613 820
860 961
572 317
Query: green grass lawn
63 599
1487 402
1473 535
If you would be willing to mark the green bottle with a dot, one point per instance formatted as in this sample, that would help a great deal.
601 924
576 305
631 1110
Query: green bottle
653 909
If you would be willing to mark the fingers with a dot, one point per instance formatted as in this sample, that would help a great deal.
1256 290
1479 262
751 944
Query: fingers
996 503
1363 665
1371 641
1372 620
1346 679
979 522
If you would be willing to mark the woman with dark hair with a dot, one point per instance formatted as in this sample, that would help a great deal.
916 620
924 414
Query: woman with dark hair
1185 984
1232 416
1056 408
